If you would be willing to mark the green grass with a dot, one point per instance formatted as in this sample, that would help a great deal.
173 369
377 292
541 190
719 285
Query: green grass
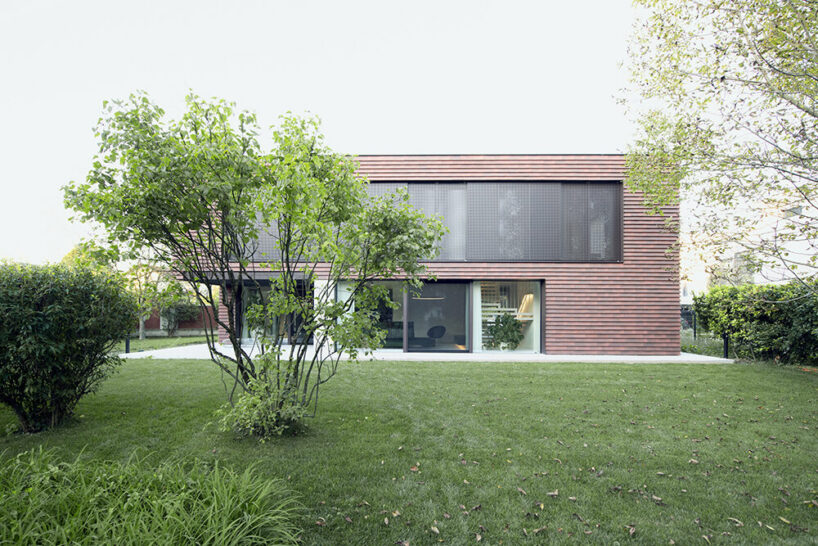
47 501
704 344
674 451
151 343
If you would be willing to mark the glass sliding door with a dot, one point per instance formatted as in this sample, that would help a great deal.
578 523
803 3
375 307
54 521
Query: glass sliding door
509 316
390 317
437 317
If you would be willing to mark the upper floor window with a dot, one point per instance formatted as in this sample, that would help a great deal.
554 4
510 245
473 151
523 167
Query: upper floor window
522 221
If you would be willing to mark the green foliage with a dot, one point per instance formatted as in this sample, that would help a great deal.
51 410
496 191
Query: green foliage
725 98
266 410
506 332
90 255
152 287
704 343
199 192
778 322
46 501
58 326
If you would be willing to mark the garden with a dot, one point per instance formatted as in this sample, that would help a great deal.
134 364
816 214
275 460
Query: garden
421 452
95 450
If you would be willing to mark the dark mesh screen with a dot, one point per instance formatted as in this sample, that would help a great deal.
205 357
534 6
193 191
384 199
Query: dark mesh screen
522 221
499 222
574 238
382 188
449 201
604 222
546 209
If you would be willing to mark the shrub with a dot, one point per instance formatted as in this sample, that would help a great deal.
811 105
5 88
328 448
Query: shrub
86 502
265 409
506 332
58 326
778 322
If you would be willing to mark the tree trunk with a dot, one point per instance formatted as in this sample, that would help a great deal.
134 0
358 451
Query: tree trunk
141 327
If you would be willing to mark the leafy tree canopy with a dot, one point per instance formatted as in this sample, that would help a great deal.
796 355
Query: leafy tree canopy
728 114
200 193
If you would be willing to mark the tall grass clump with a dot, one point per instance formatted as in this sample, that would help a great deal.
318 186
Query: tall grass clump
43 501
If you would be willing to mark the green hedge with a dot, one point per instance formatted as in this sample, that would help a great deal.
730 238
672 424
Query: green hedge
58 326
777 322
86 502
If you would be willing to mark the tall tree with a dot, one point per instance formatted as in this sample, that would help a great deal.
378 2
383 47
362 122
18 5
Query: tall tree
200 193
727 110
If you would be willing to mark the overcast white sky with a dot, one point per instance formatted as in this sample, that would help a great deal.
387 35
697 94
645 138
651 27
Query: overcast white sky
385 77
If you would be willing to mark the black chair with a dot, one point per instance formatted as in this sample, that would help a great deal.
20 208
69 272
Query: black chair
435 333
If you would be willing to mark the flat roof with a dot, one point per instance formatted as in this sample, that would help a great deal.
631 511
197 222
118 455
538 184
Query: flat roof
442 167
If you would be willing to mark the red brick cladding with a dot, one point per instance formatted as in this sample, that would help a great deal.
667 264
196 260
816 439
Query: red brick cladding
154 321
222 333
590 308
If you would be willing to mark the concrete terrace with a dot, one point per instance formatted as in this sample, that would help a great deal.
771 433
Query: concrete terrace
200 351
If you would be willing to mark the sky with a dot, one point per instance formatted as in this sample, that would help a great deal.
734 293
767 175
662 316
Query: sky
385 77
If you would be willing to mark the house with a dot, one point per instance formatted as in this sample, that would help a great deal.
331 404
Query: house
552 244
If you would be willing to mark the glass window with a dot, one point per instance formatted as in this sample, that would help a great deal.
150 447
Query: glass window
270 325
508 308
437 318
522 221
288 327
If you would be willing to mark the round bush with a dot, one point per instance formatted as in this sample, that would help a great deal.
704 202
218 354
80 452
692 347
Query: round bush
58 326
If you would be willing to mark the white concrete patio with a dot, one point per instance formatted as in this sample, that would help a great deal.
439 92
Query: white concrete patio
200 351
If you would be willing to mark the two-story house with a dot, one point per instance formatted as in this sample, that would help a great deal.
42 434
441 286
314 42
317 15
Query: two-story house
554 241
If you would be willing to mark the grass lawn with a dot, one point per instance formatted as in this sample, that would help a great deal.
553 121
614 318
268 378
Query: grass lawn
705 343
151 343
515 452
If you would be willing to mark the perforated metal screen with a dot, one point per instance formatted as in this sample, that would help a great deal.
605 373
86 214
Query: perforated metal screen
523 221
512 221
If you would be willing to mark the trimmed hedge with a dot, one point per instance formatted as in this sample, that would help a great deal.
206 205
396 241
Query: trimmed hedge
58 326
775 321
45 501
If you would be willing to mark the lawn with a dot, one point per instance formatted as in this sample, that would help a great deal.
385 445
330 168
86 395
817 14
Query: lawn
151 343
704 343
514 452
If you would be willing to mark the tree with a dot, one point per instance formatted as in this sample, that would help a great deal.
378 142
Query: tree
142 276
200 193
153 288
728 93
